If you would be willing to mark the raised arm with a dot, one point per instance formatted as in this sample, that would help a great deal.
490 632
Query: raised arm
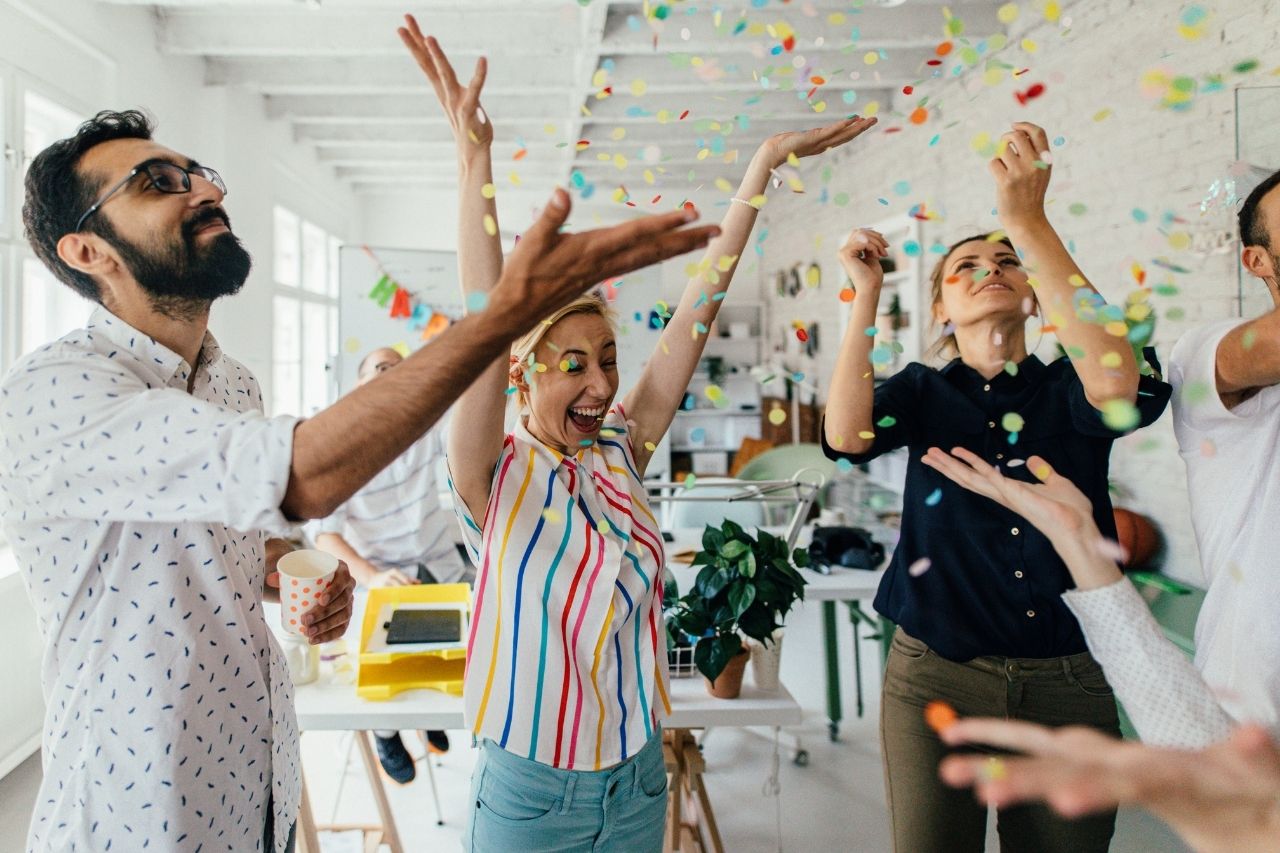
851 398
475 437
1248 357
1107 369
651 404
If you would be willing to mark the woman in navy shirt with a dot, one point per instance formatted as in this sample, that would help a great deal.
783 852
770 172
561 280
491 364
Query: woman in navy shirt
974 589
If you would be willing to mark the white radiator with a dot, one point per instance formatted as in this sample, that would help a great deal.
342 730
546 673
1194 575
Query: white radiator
22 711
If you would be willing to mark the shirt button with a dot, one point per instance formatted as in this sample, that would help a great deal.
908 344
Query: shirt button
986 387
1031 614
999 455
1013 530
1018 573
991 424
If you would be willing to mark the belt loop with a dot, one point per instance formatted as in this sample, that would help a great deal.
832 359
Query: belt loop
1066 669
569 785
635 774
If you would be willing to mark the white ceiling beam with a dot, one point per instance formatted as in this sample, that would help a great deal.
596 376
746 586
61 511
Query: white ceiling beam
374 75
341 153
401 132
354 32
422 105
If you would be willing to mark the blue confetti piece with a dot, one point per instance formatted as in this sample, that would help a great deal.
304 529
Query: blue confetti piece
935 497
844 466
849 96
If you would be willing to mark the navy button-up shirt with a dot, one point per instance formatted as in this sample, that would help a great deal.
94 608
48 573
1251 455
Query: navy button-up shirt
994 582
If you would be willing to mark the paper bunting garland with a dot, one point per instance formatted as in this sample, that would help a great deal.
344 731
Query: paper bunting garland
403 304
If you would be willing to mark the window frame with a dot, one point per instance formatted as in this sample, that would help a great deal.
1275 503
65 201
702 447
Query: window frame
300 296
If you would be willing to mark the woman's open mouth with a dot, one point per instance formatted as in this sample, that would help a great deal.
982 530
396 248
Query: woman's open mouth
995 285
586 420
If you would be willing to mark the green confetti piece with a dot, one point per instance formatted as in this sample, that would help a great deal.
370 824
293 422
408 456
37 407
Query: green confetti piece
1011 368
1012 422
1120 415
886 422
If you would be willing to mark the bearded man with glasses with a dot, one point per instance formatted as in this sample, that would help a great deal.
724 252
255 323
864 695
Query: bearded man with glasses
141 485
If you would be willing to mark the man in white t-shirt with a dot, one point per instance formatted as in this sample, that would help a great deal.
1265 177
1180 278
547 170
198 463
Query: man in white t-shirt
393 532
1226 404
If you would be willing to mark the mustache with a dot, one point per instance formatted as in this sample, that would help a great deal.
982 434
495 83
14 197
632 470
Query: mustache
203 217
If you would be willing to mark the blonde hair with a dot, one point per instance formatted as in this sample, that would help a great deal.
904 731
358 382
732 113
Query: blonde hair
524 346
945 346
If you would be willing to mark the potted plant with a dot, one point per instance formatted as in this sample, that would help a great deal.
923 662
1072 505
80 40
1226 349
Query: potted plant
745 588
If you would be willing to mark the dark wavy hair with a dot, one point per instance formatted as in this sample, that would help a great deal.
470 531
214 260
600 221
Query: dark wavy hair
57 193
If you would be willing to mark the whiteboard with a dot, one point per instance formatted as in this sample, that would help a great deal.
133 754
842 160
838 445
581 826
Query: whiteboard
364 325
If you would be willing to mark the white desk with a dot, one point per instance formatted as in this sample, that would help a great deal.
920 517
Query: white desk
337 707
851 586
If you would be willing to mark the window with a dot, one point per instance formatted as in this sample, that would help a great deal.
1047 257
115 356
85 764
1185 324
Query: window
44 122
50 309
305 336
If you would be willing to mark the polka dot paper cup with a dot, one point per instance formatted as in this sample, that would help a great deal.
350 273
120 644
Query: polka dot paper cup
303 575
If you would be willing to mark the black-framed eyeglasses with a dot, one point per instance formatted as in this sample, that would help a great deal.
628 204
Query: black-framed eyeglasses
165 176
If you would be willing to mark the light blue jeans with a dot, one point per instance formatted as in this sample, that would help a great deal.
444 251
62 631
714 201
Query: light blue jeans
523 806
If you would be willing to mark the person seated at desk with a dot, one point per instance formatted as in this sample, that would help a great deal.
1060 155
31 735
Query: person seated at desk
393 532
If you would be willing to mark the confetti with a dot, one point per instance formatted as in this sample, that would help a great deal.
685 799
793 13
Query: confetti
847 294
1012 422
934 498
777 416
939 715
490 227
689 481
650 446
551 516
919 567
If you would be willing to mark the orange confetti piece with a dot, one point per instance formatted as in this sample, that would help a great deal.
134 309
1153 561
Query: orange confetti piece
919 115
519 155
939 715
1049 328
943 49
847 295
817 81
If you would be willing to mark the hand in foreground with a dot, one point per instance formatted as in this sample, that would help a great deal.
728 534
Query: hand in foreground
328 619
805 143
392 577
860 256
1054 505
1223 799
548 269
1021 184
461 104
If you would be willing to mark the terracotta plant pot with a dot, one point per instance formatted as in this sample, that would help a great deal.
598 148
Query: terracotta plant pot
1139 537
729 684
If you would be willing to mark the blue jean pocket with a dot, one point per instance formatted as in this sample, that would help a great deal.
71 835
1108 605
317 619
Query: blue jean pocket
509 802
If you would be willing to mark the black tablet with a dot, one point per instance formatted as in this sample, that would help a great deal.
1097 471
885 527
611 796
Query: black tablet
424 626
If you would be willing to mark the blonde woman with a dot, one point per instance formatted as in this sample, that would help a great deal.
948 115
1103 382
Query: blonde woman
566 683
975 590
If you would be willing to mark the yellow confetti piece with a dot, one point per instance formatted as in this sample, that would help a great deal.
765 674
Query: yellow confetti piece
402 348
1076 280
704 153
664 116
1013 422
1008 13
1118 328
617 133
1052 11
757 201
714 393
620 161
726 262
514 178
872 108
820 107
1120 415
1103 114
866 434
650 446
648 176
488 191
871 57
639 87
600 78
723 185
352 345
835 18
1179 241
1042 472
490 227
603 526
1029 46
1111 359
777 416
993 76
813 276
550 516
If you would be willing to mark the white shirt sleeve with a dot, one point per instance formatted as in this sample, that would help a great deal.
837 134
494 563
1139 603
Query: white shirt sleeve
87 439
1193 372
1162 692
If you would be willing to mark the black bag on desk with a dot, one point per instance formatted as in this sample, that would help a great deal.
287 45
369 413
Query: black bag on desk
850 547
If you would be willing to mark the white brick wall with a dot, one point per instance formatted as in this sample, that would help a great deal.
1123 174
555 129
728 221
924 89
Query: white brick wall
1143 157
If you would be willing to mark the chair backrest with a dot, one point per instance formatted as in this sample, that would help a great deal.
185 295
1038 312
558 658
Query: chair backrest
783 461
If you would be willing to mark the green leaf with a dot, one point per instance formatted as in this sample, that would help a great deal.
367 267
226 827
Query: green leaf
747 565
733 550
757 623
801 558
712 654
712 539
714 583
733 530
740 598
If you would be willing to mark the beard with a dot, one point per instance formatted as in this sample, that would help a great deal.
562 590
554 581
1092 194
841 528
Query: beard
181 278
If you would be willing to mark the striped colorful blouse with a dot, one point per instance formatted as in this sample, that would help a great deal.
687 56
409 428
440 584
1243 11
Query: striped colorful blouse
566 658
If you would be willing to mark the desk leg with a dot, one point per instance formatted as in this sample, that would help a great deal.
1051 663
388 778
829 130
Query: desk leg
834 713
855 620
308 837
390 834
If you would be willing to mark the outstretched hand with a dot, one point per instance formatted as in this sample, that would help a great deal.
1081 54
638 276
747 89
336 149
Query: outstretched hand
860 256
1223 798
461 104
1054 505
548 269
805 143
1022 172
